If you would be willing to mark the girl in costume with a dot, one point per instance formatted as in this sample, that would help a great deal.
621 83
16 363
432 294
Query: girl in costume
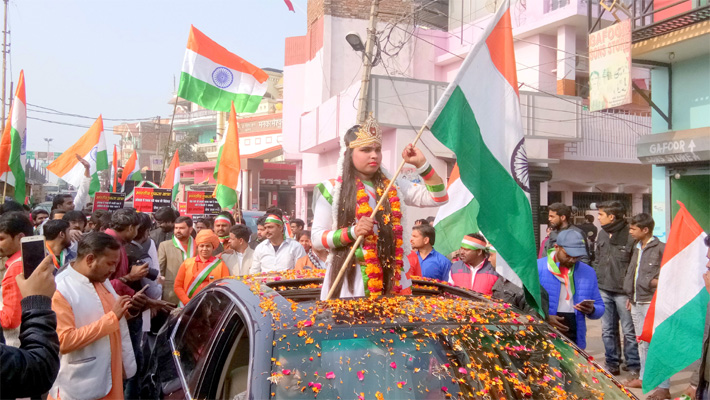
342 209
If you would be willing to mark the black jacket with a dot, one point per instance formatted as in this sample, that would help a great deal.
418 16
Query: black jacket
30 371
508 292
612 258
648 270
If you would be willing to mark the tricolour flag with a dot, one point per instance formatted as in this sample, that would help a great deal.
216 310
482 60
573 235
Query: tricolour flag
228 168
172 176
14 141
456 218
478 117
132 170
92 148
213 77
675 321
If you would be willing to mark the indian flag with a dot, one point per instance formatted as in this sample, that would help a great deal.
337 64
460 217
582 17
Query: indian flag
456 218
14 141
172 176
675 321
228 166
478 117
92 148
213 77
132 170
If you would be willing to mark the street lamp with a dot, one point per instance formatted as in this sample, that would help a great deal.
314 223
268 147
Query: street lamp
48 140
355 42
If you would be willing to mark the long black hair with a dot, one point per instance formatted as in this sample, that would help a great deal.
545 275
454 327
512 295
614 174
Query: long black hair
347 206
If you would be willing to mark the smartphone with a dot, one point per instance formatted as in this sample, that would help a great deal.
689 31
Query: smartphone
33 252
588 301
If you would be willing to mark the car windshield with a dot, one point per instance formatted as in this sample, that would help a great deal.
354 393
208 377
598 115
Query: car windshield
433 362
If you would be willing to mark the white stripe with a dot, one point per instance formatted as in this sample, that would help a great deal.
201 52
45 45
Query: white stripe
19 121
176 176
75 176
201 67
680 280
459 198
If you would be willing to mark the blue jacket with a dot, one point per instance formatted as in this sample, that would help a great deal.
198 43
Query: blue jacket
586 288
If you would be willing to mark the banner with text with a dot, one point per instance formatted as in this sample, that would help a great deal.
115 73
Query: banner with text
610 66
108 201
150 200
202 203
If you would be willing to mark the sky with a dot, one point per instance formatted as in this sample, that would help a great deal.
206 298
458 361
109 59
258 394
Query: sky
121 59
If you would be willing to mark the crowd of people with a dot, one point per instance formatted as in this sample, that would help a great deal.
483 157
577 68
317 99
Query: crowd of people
80 325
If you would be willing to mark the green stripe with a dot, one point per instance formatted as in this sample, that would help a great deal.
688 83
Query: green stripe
365 279
426 171
450 230
360 254
15 163
436 188
226 197
325 193
219 161
351 234
176 188
677 342
214 98
101 160
507 216
336 238
95 184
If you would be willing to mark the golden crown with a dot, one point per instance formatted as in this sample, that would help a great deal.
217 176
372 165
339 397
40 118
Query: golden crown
368 134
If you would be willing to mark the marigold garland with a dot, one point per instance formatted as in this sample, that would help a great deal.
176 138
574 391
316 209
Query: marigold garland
373 271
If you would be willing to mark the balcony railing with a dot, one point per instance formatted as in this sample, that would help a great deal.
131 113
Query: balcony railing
195 116
654 18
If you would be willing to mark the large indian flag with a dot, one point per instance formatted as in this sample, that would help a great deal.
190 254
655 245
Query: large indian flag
92 148
14 141
478 117
228 166
172 176
675 321
213 77
456 218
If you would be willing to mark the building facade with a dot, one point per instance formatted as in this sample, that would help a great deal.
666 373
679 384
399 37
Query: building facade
576 156
673 41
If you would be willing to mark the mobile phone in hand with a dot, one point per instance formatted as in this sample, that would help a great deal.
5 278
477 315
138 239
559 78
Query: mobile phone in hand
33 252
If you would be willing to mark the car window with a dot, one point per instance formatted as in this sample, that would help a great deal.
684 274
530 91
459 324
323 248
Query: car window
433 362
196 331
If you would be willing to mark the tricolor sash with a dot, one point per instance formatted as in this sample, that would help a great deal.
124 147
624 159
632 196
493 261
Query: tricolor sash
58 261
190 252
202 276
567 279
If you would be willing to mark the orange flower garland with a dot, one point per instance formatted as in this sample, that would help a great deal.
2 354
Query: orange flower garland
372 271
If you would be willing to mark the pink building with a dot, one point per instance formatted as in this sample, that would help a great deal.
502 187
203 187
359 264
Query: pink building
575 156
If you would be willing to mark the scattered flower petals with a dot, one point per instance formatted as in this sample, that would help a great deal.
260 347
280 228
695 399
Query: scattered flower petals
393 365
330 375
286 372
360 375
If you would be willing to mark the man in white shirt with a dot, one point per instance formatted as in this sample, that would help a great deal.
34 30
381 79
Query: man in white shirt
239 260
277 253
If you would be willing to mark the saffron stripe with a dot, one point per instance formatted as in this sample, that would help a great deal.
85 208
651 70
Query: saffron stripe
324 239
441 199
429 174
344 236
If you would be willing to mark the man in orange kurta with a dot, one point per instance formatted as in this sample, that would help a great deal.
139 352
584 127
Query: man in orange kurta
83 353
197 272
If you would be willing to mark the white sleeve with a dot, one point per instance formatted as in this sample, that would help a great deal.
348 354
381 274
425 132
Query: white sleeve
82 194
322 220
416 194
256 261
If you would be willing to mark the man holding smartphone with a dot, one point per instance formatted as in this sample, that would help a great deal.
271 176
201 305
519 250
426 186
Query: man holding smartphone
572 287
13 227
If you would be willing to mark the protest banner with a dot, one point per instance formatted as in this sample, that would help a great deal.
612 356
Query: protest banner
149 199
108 201
202 203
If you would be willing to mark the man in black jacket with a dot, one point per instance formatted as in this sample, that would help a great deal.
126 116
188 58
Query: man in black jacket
30 370
613 254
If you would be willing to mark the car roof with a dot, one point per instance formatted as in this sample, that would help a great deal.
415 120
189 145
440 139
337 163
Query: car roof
291 299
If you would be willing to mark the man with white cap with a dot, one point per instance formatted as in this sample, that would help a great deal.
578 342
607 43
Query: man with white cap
572 286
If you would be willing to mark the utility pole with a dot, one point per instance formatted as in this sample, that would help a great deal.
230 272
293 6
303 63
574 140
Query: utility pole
4 62
369 46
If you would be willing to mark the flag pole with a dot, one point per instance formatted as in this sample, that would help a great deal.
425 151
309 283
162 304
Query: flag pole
4 189
170 136
360 238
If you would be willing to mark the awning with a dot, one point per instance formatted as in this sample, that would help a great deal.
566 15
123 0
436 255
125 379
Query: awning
675 147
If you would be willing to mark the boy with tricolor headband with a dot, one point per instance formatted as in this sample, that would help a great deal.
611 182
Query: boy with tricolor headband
474 271
222 224
277 253
572 287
